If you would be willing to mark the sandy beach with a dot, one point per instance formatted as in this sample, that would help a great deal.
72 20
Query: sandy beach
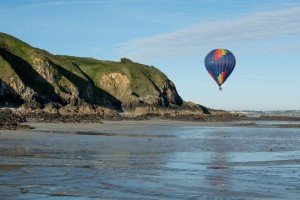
150 160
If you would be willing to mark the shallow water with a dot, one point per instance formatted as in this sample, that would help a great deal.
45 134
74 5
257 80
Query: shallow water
146 160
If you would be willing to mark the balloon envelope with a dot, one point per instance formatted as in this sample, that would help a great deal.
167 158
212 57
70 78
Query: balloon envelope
220 63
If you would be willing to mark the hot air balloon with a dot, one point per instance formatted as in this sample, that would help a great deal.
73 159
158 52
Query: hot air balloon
219 64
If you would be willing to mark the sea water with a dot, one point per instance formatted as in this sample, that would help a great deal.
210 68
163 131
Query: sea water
150 160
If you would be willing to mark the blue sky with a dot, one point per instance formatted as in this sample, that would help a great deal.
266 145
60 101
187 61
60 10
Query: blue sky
175 36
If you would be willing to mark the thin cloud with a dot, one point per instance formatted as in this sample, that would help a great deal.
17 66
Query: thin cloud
226 33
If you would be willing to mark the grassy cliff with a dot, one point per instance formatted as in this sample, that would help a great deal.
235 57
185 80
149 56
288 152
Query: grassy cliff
29 74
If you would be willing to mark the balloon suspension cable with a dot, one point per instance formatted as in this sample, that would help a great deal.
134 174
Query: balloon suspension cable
220 88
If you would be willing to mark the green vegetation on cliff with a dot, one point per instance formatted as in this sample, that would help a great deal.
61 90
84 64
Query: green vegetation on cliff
32 74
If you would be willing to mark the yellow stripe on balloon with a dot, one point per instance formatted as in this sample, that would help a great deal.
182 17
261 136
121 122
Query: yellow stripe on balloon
221 78
224 52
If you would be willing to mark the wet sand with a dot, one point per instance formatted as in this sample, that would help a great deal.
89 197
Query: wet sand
150 160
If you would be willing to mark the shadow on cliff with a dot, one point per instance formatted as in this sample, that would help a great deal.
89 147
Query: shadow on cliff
8 97
162 94
88 91
204 109
28 75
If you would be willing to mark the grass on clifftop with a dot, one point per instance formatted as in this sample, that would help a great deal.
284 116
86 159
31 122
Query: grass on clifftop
143 79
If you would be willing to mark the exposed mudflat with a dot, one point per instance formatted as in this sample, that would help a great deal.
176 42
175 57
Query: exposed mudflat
151 160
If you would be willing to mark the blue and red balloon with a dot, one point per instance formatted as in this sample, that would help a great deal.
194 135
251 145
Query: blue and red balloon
220 63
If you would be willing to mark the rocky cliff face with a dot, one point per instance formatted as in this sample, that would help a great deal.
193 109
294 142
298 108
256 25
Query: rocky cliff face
33 76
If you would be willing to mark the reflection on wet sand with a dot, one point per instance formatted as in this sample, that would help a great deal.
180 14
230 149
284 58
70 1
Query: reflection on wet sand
219 164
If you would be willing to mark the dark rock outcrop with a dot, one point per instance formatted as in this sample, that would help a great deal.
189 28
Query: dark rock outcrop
11 121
